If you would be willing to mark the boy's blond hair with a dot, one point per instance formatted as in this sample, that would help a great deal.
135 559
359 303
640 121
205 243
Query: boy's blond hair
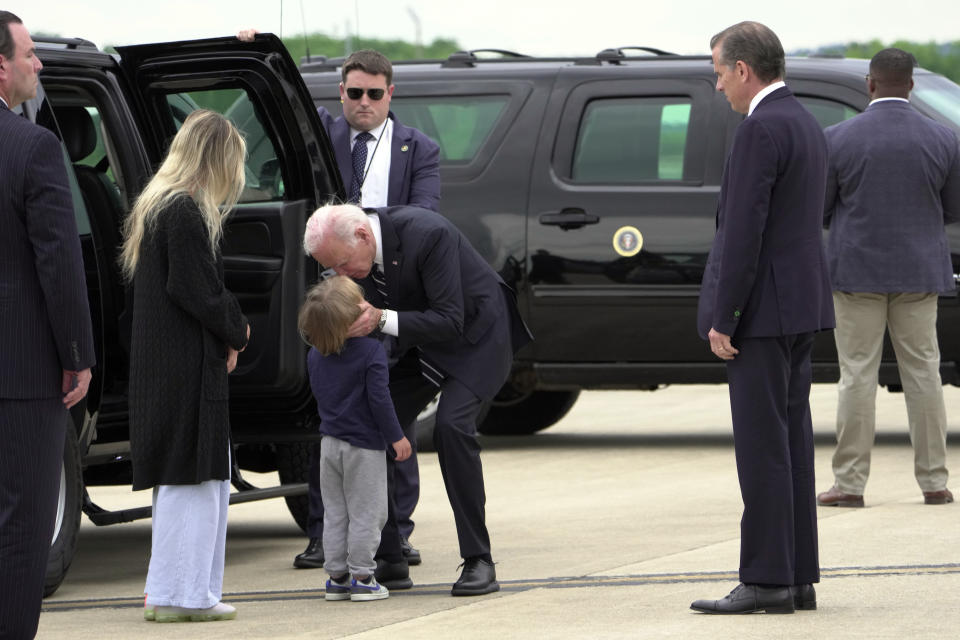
328 310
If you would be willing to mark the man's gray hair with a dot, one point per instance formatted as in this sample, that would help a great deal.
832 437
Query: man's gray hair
756 45
340 220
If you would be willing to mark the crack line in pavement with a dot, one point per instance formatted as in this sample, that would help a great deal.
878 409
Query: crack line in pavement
569 582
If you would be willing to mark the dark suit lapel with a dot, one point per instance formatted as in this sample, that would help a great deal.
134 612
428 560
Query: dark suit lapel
392 256
340 139
400 153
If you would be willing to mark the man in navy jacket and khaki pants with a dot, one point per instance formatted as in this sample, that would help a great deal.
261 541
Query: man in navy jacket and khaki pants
765 293
893 182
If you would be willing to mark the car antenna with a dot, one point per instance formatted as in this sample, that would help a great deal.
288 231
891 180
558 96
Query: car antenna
303 22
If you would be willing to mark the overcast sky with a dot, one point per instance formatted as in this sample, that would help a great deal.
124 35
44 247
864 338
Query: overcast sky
539 27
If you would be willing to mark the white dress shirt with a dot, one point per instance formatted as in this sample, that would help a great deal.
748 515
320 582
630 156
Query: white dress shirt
377 182
889 100
763 93
392 327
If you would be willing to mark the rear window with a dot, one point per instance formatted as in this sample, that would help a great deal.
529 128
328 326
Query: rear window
459 124
629 140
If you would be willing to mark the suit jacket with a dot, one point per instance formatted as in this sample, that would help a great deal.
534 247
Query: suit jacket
450 302
893 182
353 394
44 314
414 162
766 275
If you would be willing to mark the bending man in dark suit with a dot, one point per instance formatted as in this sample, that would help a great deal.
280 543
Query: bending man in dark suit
765 292
893 182
392 165
457 327
46 341
399 166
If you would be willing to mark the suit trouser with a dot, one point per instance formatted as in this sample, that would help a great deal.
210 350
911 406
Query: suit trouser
188 544
32 433
354 482
458 451
773 436
407 478
911 319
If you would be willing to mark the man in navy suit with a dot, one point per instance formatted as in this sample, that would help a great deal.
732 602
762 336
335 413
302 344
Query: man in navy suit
893 182
46 341
399 166
765 293
457 327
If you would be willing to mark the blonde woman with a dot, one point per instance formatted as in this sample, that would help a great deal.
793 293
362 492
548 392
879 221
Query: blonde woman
187 332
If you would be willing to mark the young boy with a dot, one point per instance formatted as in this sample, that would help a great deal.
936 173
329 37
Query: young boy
349 378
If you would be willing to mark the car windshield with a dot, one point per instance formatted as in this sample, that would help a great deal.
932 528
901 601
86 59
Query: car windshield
937 97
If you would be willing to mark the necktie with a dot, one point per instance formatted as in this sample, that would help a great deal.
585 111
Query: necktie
429 370
380 282
359 158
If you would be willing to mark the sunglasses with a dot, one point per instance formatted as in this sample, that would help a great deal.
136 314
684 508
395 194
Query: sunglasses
355 93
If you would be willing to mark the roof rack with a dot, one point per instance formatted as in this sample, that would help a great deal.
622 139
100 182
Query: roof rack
614 56
470 58
68 43
316 64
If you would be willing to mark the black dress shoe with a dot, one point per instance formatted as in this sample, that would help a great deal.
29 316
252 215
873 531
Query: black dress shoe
412 555
804 597
395 576
312 557
477 578
749 598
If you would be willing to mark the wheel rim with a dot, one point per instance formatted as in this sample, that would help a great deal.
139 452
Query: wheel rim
61 503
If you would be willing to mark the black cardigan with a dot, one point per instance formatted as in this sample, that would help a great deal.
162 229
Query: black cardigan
183 318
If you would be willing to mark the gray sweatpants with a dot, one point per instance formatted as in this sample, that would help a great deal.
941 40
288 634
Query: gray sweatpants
353 483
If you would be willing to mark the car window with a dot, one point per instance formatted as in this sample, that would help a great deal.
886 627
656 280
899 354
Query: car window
939 95
459 124
629 140
827 112
263 179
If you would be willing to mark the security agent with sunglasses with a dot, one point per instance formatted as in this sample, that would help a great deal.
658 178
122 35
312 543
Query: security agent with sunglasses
400 166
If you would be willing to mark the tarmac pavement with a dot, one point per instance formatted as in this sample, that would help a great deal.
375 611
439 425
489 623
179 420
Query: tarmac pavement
607 525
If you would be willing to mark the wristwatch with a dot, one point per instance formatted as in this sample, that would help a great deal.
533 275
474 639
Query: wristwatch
383 320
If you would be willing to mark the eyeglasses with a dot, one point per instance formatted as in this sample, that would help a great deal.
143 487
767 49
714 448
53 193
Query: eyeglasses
355 93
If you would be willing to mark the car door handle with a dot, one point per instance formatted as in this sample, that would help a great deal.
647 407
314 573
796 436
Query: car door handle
569 218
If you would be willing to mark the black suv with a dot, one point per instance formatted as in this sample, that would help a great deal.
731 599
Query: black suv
591 185
116 116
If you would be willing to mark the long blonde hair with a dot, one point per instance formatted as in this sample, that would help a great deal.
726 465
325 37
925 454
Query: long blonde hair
205 162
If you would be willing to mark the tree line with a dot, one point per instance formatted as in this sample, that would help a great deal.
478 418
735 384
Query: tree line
320 44
942 58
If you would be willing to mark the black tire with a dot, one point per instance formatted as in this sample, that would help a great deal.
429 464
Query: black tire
293 466
69 507
527 413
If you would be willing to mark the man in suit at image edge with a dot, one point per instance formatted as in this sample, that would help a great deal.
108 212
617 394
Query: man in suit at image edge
46 340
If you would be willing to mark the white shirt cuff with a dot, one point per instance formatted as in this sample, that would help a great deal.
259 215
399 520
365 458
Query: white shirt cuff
392 326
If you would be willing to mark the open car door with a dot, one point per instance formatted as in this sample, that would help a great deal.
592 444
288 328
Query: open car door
290 171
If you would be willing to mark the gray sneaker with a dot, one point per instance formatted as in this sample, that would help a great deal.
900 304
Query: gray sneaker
337 589
362 591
